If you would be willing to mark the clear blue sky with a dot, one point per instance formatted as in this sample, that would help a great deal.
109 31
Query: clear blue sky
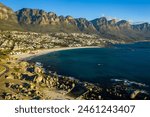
135 10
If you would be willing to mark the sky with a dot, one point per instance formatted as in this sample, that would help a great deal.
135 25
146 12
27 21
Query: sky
132 10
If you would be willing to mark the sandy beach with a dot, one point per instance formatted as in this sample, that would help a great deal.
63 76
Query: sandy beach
28 56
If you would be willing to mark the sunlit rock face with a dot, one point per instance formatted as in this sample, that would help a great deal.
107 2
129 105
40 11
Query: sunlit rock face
7 14
32 16
37 20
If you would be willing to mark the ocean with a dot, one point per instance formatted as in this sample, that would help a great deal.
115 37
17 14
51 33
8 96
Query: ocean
130 62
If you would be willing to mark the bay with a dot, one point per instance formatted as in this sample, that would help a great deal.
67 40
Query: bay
101 65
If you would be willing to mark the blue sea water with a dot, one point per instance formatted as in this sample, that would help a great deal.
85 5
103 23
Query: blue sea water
100 65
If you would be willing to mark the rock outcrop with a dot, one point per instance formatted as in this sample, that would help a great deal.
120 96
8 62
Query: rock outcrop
8 19
7 14
41 21
108 28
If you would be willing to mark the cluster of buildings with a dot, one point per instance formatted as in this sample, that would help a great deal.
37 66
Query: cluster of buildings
22 42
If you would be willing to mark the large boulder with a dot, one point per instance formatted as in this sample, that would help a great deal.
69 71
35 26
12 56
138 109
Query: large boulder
39 79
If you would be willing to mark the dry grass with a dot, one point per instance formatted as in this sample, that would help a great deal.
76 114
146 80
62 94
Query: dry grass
2 69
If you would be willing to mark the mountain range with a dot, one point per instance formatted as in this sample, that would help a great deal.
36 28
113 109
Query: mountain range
37 20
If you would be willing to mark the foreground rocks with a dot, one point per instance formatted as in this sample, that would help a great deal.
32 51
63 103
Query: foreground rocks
29 81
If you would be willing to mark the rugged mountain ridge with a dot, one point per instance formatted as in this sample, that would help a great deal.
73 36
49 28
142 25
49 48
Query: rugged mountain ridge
7 14
8 19
40 21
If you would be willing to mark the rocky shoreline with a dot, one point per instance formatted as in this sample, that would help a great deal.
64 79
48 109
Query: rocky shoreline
30 81
32 32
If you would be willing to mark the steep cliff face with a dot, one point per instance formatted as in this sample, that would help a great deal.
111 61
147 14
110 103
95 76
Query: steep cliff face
121 29
8 19
85 26
35 16
40 17
40 21
7 14
141 27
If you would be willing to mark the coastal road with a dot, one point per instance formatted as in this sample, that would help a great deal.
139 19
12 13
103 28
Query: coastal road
5 71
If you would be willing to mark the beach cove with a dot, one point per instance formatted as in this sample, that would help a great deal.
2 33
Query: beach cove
32 54
105 77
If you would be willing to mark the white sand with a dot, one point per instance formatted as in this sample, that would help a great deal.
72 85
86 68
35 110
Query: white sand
27 56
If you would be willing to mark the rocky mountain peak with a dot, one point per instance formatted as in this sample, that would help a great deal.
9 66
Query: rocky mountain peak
32 16
142 27
102 21
84 25
41 21
7 13
69 17
123 23
112 22
52 14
